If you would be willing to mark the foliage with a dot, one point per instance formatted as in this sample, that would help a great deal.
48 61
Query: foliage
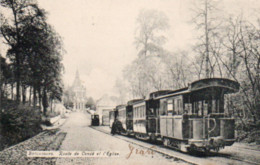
150 24
23 12
145 74
90 103
234 48
35 52
18 123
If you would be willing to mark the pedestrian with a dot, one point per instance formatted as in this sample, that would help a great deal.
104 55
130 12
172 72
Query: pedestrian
113 129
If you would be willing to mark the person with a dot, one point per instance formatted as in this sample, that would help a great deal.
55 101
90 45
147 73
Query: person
114 127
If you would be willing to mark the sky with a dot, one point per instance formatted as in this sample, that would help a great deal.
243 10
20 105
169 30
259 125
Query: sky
98 35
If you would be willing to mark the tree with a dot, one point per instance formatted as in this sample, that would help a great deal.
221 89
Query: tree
122 91
150 25
23 13
90 103
49 66
241 53
145 73
178 70
206 20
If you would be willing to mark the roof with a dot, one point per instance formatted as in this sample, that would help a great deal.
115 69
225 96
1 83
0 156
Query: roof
230 86
131 102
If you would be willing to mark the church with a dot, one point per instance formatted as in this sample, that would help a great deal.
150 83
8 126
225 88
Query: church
79 93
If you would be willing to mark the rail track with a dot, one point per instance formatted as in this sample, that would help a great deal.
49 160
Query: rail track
212 158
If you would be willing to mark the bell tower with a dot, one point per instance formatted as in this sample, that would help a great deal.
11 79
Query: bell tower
79 93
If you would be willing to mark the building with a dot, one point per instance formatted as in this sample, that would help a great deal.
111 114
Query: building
105 116
79 94
103 105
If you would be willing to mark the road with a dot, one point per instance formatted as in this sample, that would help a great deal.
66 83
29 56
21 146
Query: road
76 134
81 137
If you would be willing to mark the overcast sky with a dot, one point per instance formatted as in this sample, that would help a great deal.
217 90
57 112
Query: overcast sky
98 35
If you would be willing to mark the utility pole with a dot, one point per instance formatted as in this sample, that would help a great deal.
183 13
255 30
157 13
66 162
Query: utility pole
207 39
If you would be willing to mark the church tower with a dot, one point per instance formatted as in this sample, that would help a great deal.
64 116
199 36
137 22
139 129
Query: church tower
79 93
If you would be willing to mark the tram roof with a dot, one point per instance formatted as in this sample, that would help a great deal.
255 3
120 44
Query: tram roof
175 93
230 86
131 102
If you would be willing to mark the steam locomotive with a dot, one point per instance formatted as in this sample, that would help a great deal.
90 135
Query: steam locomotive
191 118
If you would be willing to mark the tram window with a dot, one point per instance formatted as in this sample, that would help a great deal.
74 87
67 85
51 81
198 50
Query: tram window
138 112
179 108
205 107
209 106
214 107
141 111
200 108
221 105
150 111
188 108
176 109
170 107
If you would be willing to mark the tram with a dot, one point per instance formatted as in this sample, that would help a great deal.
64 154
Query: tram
95 119
191 118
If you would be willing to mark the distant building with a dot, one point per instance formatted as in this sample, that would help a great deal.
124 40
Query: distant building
105 104
79 93
105 116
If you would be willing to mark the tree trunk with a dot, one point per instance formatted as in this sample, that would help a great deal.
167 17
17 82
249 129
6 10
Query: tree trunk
18 96
34 96
44 102
40 98
17 54
51 105
24 94
30 96
12 91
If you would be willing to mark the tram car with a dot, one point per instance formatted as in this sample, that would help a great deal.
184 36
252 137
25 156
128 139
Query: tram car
146 117
122 119
125 117
191 118
195 118
111 118
95 119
